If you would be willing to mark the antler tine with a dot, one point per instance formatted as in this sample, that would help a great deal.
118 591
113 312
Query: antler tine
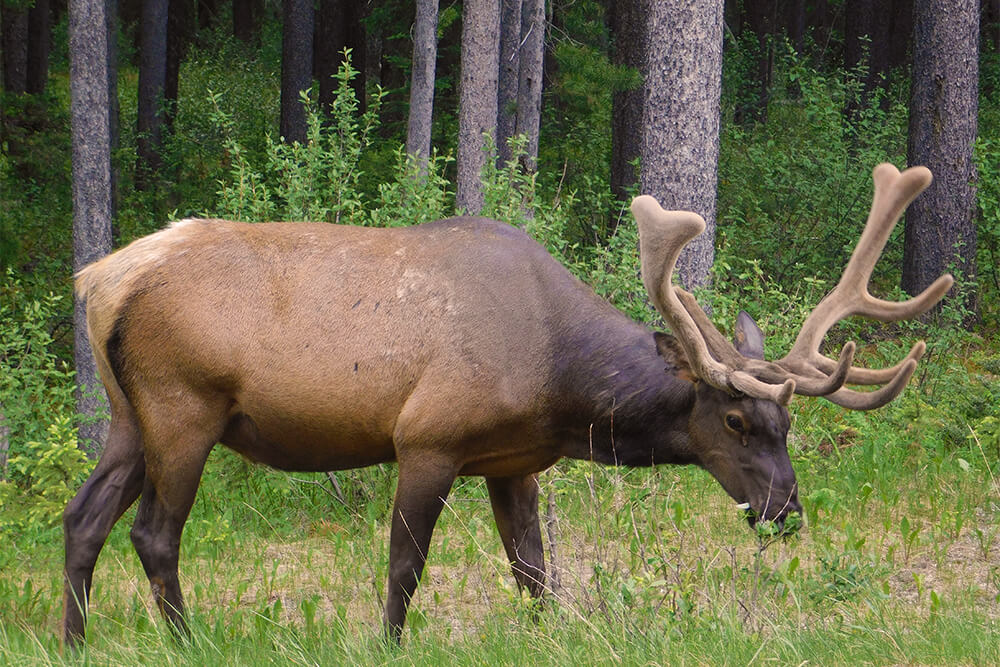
893 193
662 236
870 400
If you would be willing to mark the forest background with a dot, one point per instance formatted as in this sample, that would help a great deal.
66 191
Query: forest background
900 561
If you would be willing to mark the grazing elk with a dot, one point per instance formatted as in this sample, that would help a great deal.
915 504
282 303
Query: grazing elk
453 348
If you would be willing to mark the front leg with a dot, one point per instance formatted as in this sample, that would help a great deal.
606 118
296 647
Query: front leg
515 508
420 495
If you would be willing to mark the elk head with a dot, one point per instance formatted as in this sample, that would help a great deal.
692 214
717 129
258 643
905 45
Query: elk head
740 422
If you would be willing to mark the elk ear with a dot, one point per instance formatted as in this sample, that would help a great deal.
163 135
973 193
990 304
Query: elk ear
748 338
673 354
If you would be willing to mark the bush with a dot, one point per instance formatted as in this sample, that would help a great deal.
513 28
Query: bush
45 475
324 179
36 387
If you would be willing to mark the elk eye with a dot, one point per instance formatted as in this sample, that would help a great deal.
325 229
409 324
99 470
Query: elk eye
734 422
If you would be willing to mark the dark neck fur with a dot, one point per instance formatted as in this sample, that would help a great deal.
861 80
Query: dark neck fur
622 406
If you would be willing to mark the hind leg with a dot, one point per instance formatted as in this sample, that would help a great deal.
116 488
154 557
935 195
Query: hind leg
515 508
111 489
173 470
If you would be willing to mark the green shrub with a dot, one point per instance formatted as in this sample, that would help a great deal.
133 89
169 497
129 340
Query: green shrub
36 387
324 179
45 475
795 191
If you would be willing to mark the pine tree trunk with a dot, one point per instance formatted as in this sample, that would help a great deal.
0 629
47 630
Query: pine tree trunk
630 39
296 67
14 28
510 63
114 120
178 30
477 112
208 13
529 86
152 82
795 24
680 154
244 21
900 33
89 104
759 18
992 28
418 131
940 233
39 45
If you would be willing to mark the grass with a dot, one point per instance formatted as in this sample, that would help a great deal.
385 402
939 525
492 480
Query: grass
900 564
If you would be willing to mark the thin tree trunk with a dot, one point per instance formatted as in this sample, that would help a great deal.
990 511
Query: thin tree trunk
89 103
940 232
630 40
296 67
114 120
208 13
901 33
339 27
14 28
993 12
418 131
152 82
795 24
39 45
529 87
681 120
477 112
178 29
245 20
759 18
510 63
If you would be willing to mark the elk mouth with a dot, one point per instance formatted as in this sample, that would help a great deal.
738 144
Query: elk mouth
785 523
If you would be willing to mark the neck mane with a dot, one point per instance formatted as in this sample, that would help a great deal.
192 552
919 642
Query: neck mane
623 407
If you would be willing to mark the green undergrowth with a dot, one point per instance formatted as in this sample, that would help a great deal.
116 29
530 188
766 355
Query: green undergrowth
898 562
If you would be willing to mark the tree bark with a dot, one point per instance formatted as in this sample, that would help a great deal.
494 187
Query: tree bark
39 45
529 86
296 67
418 130
940 233
114 120
14 28
90 121
152 82
680 154
477 112
630 39
510 62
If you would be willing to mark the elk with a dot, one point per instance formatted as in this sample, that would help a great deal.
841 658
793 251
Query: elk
459 347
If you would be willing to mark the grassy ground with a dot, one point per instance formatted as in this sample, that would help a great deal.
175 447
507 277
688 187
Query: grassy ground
899 564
